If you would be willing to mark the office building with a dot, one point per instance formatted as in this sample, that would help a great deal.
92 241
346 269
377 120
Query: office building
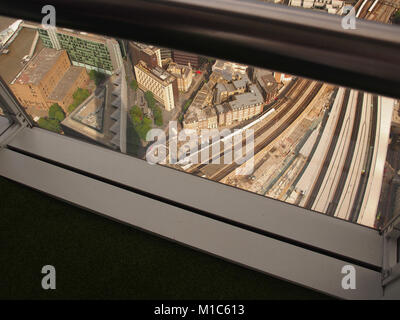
186 58
161 83
91 51
142 52
48 78
165 53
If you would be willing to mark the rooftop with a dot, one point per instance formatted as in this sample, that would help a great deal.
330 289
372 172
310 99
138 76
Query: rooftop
39 66
268 82
148 49
223 108
157 73
83 35
11 63
179 70
198 114
65 83
247 99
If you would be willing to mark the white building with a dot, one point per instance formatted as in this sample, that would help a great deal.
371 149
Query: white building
161 83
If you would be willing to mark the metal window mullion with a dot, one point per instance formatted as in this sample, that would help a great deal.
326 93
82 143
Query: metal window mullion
11 108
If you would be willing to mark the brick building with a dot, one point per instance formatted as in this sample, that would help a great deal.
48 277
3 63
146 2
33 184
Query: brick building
142 52
40 79
186 58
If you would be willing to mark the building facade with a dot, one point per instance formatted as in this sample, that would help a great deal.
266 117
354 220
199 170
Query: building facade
91 51
74 78
268 87
186 58
282 77
183 74
229 67
242 107
161 83
141 52
48 75
166 53
205 118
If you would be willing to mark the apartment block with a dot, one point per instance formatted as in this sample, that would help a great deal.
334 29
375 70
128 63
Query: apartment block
161 83
91 51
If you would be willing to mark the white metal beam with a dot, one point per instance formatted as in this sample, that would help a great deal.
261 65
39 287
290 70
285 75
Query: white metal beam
235 244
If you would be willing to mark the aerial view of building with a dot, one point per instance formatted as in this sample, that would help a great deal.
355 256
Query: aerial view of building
48 78
330 6
149 54
228 97
160 82
186 58
183 74
85 49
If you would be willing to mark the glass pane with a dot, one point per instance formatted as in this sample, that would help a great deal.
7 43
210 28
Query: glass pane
329 149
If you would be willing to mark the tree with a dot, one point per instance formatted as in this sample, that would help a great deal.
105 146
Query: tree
158 118
96 76
133 140
148 95
79 96
157 113
187 104
141 125
50 124
56 112
396 17
134 84
136 115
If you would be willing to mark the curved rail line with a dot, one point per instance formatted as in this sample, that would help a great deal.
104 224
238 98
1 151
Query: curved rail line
279 113
228 169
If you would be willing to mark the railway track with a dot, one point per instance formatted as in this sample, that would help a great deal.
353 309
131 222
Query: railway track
362 185
321 177
376 10
349 156
229 168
